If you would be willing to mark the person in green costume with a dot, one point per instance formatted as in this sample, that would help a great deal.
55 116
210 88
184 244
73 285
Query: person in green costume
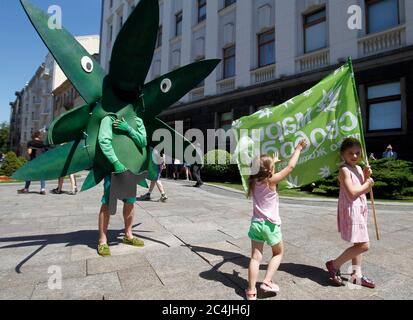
108 124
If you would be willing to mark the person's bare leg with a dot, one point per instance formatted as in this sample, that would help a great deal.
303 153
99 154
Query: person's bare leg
103 224
277 255
152 186
254 267
128 214
73 182
60 184
160 187
350 254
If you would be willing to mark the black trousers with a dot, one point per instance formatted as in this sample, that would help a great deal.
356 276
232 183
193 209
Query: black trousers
196 173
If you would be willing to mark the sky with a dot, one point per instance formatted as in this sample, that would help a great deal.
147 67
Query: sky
21 49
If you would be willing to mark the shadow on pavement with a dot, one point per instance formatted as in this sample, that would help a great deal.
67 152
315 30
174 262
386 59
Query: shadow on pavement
83 237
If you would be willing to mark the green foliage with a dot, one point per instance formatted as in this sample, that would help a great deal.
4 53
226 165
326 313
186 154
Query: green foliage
224 171
11 163
393 180
4 137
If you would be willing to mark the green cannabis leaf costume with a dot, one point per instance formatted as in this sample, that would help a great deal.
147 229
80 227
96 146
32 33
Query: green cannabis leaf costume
121 94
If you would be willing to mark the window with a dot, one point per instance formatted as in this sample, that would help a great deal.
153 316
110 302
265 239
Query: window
111 4
229 62
159 38
202 10
227 3
120 22
110 33
315 31
384 107
266 48
178 24
225 121
381 15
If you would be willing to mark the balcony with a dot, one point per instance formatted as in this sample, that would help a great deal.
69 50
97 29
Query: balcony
226 85
313 60
197 94
263 74
382 41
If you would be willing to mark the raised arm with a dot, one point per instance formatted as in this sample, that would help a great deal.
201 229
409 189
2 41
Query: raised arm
279 176
352 191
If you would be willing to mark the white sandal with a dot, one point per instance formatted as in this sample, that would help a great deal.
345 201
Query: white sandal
272 287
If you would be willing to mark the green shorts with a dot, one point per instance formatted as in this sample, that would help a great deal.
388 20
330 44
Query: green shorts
265 231
106 191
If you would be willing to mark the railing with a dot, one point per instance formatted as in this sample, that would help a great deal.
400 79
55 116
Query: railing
263 74
313 60
226 85
197 94
382 41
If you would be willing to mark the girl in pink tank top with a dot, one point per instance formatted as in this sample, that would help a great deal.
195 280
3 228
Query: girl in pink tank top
266 221
352 213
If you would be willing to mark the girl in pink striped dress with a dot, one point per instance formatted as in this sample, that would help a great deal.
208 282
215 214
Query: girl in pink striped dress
352 213
266 221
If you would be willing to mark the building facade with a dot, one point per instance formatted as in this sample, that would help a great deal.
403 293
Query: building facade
273 50
34 108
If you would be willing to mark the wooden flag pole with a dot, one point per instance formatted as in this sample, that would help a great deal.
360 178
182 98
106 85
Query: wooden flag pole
373 205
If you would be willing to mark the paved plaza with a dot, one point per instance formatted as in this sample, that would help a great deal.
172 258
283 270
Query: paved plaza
196 247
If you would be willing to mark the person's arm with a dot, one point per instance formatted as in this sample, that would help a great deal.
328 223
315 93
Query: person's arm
279 176
352 191
105 142
138 136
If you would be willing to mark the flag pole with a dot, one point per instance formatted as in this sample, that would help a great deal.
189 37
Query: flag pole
363 143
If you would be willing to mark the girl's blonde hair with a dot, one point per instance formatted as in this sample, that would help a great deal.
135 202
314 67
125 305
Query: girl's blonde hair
266 164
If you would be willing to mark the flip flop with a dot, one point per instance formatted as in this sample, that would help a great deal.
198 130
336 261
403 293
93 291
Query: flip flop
251 295
133 242
270 288
104 250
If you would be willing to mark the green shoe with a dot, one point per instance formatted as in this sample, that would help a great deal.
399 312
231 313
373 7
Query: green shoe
133 242
103 250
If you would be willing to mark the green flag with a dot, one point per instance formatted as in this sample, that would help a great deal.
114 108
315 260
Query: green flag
324 116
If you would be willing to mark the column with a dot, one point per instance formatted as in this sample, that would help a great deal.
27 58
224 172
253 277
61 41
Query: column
186 43
166 36
285 37
244 43
409 22
343 41
211 45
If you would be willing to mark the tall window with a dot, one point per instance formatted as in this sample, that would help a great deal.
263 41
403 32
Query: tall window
266 48
178 24
227 3
110 33
384 107
202 10
381 15
315 31
159 37
120 22
111 4
229 62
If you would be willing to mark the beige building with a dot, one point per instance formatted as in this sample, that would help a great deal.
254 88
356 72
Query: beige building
37 101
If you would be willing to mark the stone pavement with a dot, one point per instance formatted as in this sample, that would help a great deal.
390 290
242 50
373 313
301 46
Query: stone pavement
196 248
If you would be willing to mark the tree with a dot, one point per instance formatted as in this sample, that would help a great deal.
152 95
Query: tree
4 137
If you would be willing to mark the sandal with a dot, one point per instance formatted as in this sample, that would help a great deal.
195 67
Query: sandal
363 281
133 242
335 275
251 295
270 287
104 250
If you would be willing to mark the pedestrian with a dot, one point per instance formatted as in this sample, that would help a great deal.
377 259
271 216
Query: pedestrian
73 184
389 153
105 143
196 168
177 168
35 148
352 214
161 162
266 222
